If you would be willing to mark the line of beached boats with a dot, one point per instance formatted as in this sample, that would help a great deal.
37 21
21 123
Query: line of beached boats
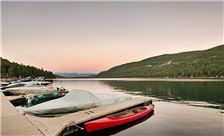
53 101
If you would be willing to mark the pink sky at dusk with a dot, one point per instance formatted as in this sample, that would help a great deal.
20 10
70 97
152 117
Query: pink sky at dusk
95 36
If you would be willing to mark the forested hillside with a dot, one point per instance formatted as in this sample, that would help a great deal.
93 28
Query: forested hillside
205 63
12 69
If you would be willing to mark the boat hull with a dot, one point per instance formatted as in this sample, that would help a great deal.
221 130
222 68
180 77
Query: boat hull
31 90
108 121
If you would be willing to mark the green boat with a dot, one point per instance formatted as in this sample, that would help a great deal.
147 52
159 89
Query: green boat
36 99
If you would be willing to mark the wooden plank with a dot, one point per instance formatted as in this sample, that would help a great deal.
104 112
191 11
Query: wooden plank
54 126
13 122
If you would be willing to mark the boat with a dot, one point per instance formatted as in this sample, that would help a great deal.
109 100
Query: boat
19 84
26 79
32 100
75 100
4 83
37 82
25 84
31 90
41 81
119 118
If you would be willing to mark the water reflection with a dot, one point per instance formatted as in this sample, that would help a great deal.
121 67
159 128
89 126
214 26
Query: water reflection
189 92
115 130
171 118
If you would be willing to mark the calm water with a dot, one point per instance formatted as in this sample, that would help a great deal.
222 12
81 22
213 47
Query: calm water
182 107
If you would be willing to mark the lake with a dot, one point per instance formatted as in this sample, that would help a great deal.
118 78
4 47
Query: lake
182 107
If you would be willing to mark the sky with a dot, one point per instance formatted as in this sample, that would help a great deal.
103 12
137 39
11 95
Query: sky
89 37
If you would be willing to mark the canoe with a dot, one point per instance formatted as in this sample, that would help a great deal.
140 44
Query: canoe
118 119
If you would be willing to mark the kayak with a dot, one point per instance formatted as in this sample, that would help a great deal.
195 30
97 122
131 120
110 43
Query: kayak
118 119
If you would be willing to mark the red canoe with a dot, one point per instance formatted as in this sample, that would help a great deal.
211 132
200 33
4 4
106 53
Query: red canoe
118 118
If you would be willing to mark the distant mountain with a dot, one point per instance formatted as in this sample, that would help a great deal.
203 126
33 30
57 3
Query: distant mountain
204 63
13 69
70 75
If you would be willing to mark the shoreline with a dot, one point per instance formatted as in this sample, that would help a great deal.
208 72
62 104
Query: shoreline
174 79
143 79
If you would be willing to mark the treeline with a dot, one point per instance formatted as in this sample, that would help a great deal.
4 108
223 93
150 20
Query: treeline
12 69
205 63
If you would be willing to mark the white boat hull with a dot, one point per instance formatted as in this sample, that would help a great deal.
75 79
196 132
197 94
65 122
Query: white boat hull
31 90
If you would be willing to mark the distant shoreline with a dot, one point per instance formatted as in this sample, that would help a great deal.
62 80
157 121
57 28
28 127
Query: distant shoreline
142 79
